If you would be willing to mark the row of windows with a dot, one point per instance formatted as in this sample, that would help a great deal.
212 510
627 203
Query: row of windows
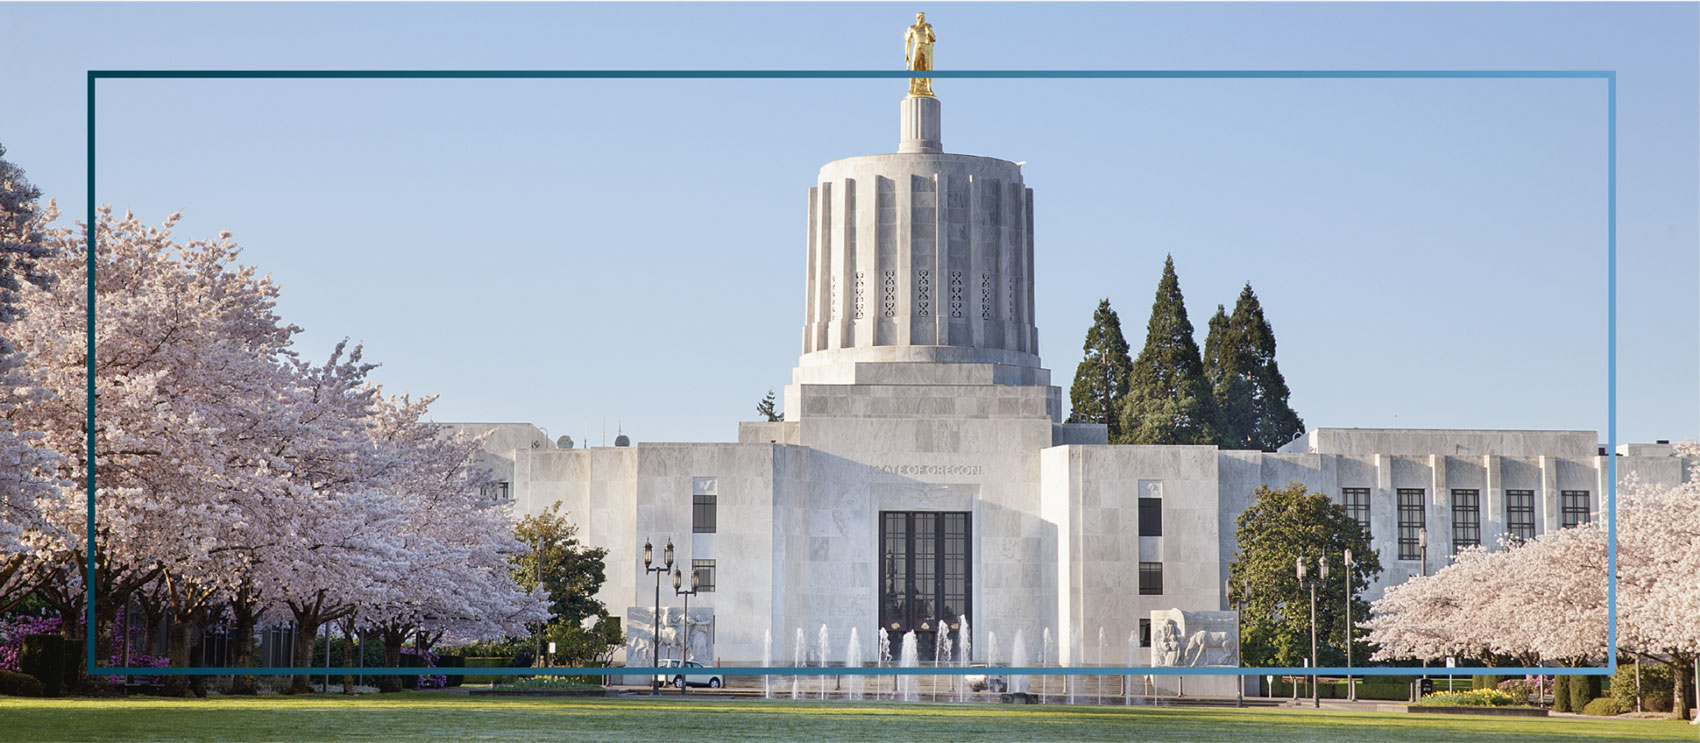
1466 515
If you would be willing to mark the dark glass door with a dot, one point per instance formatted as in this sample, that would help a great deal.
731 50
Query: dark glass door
924 585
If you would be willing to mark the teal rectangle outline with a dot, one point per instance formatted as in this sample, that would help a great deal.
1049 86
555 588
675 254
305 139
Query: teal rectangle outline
1610 76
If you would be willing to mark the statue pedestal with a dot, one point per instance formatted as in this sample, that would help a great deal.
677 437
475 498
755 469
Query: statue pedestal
920 125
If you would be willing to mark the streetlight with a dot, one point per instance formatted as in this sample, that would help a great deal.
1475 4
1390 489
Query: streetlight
1239 622
1422 547
655 619
1322 570
1351 689
685 643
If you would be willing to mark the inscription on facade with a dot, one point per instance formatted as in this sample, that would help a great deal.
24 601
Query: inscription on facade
928 469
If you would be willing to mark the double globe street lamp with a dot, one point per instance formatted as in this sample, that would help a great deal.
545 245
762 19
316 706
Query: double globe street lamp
1322 577
685 630
655 619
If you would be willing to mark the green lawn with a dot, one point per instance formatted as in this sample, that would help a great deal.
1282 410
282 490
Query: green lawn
434 716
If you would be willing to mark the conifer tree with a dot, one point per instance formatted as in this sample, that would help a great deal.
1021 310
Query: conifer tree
1100 382
766 409
1223 364
1248 384
1168 399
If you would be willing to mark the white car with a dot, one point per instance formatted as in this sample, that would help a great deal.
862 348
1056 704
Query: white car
678 680
987 681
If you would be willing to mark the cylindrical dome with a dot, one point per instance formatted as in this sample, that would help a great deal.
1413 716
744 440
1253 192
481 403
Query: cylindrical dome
920 256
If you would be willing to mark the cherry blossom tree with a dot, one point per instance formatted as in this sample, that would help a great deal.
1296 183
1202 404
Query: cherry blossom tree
1658 561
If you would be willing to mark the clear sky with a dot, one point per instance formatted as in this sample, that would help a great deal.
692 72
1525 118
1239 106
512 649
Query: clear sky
1431 253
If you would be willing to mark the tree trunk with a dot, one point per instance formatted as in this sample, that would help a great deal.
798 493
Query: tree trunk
392 659
178 686
348 656
1679 687
306 629
241 647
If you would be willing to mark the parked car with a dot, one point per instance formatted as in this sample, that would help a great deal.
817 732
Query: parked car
678 680
985 681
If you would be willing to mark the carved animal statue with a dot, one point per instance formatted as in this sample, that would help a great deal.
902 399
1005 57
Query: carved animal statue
1206 648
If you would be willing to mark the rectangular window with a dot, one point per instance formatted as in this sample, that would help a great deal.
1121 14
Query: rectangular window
704 572
498 491
925 577
1412 515
1150 579
1574 507
1356 501
1150 517
1466 519
1145 633
703 517
1520 513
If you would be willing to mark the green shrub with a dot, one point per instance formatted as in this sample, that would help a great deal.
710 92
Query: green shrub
43 657
1561 693
1655 686
1471 698
14 684
452 661
1583 689
1603 707
498 662
1485 681
409 660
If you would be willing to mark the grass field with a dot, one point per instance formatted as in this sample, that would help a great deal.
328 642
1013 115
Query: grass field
433 716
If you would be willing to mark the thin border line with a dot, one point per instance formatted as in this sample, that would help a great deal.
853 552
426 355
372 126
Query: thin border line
1610 76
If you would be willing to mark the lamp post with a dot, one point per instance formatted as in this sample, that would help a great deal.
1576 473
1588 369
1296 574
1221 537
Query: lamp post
1239 623
685 632
1322 570
1422 555
655 619
1351 690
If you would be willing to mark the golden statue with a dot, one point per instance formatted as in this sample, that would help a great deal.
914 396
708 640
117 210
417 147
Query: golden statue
918 54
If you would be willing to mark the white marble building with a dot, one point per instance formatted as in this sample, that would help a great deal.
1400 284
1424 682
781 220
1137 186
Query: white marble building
923 472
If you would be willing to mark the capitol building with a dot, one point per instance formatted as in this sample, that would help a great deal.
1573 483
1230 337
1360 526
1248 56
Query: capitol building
923 473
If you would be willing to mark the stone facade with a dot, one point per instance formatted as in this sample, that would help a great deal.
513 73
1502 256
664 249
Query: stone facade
922 434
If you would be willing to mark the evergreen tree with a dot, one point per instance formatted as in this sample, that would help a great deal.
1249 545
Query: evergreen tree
766 409
1249 386
1223 363
1100 382
1168 400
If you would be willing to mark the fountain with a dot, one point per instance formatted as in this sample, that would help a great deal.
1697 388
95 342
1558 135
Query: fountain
967 642
1073 660
853 659
909 658
1132 652
1100 663
884 657
823 653
1018 659
766 660
1044 656
797 651
941 657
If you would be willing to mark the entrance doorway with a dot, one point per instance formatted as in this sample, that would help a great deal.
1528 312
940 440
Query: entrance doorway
925 578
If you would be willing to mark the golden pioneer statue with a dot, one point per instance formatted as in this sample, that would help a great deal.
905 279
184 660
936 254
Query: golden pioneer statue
918 54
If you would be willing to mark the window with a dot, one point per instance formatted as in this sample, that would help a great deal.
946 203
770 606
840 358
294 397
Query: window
704 572
1520 513
1145 633
1356 501
1150 579
1466 519
924 585
703 518
1411 520
496 491
1574 507
1150 517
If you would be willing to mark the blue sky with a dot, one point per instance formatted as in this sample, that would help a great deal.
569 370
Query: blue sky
1431 253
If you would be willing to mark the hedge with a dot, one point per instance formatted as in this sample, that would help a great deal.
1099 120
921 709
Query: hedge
1655 686
1603 707
1561 694
1583 689
43 658
1394 688
16 684
489 663
452 661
